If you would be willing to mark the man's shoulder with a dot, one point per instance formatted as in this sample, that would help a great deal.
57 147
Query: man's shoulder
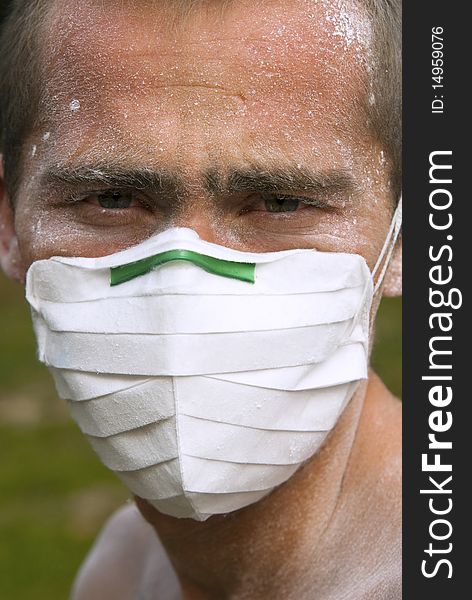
127 562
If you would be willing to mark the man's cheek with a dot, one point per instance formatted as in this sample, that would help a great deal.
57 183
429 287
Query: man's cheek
42 236
34 236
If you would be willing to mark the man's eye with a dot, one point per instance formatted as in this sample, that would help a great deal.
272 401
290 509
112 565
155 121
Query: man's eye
113 199
281 204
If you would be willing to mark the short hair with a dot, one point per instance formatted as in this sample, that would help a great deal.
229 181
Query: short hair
384 108
21 75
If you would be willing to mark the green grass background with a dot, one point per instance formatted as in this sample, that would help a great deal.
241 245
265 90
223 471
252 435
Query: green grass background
54 493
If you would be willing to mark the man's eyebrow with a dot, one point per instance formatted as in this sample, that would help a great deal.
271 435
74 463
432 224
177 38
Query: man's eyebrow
287 178
279 179
114 177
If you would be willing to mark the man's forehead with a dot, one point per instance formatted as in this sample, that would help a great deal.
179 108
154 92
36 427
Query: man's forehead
280 65
321 42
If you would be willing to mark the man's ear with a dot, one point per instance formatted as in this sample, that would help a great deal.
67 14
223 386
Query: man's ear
393 277
10 257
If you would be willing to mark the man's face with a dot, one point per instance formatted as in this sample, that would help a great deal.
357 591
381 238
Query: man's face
244 124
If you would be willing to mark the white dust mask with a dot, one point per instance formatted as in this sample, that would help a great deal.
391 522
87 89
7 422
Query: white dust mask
204 376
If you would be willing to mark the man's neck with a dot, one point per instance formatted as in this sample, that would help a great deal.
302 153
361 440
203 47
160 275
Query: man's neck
250 552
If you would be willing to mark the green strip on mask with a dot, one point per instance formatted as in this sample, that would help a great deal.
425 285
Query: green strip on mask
217 266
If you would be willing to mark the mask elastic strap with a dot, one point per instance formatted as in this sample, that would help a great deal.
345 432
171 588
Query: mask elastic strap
389 246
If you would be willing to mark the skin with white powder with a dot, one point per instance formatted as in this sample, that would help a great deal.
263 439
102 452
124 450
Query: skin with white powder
206 103
74 105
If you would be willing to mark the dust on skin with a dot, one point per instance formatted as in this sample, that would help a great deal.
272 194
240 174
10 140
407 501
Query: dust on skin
181 101
252 86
